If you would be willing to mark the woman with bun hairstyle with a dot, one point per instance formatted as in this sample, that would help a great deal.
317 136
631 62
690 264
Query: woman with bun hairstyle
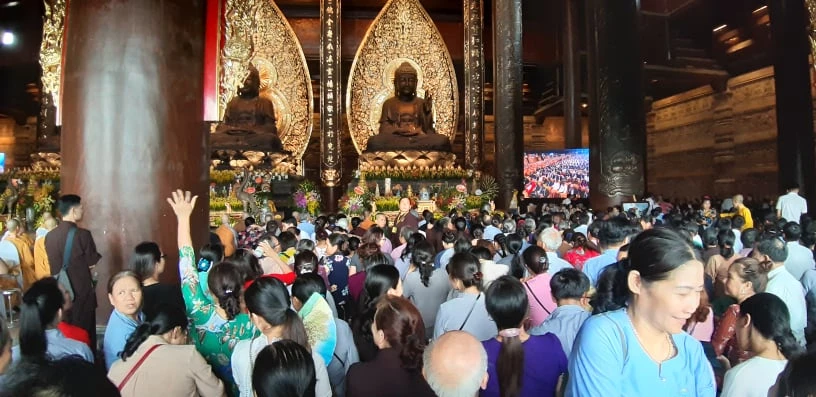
746 277
396 371
169 366
466 312
763 329
427 288
218 324
636 346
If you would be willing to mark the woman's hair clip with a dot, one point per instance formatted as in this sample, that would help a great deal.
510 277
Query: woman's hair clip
204 265
477 276
228 291
510 333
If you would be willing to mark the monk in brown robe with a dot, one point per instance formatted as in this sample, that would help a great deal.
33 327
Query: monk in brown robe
81 264
405 218
406 122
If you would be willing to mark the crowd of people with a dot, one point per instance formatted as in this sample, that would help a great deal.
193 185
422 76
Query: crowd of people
679 299
556 175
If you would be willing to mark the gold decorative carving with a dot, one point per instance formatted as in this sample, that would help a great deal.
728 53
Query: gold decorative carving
402 32
811 7
400 159
51 48
474 83
257 32
331 92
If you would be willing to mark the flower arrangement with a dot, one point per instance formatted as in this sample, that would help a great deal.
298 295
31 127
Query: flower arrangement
222 177
385 204
473 202
221 203
42 175
307 198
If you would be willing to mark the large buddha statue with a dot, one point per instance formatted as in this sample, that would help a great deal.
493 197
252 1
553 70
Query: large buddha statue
407 120
249 119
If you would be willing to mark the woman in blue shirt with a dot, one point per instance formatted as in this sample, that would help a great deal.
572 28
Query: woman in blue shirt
636 345
125 294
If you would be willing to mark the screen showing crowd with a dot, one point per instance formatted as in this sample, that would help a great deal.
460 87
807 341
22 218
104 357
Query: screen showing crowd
556 174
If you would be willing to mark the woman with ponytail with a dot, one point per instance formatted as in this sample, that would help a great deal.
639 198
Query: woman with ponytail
514 364
763 328
427 288
213 306
514 260
268 303
467 311
399 334
718 265
40 313
635 344
157 361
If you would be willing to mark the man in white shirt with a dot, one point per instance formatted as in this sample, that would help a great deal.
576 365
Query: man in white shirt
550 239
791 206
800 258
782 284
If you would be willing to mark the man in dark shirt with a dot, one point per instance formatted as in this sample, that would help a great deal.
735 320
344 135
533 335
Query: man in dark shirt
80 265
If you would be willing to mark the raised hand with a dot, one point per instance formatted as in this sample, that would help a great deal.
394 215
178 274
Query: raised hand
182 203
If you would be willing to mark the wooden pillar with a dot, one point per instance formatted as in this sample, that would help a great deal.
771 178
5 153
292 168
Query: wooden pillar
507 102
617 122
474 83
132 125
794 106
330 102
571 62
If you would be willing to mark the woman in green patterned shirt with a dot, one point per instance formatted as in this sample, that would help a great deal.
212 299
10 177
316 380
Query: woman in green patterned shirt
217 324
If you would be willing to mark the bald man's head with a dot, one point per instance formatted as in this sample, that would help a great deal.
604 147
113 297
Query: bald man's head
50 223
225 219
455 365
12 225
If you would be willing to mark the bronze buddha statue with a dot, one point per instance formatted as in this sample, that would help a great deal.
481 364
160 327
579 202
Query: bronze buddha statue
407 122
249 119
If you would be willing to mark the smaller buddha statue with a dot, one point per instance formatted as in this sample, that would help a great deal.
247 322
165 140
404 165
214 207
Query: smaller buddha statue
249 119
406 122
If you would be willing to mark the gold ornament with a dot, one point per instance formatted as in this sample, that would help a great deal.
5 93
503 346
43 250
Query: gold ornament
51 48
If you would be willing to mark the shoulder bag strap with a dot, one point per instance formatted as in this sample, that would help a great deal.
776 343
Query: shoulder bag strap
470 312
138 364
69 246
536 298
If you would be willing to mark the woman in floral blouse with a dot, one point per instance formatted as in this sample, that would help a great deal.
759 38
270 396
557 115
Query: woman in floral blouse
745 279
217 325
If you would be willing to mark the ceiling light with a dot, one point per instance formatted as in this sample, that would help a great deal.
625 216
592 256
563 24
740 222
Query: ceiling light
719 28
760 9
7 38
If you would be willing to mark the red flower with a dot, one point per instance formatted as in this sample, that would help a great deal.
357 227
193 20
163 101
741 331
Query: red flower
258 180
359 190
250 190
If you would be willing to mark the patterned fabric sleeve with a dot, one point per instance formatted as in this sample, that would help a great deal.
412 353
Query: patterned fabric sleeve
725 330
197 306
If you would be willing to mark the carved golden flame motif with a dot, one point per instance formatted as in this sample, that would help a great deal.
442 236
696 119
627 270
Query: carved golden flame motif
51 48
403 31
811 7
271 45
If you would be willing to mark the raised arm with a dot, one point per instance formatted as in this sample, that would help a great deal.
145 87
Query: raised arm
191 290
183 205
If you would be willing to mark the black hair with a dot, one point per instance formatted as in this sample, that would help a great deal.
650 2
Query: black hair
481 252
796 380
477 232
144 258
724 224
268 298
38 311
320 222
507 303
306 285
748 237
460 223
225 282
212 252
247 264
305 262
123 274
66 202
290 220
535 258
770 316
773 247
353 243
379 279
514 244
411 242
792 231
272 227
614 231
461 245
709 237
423 258
374 259
738 222
166 318
752 271
284 368
67 376
249 221
449 236
466 268
287 240
569 283
725 240
654 254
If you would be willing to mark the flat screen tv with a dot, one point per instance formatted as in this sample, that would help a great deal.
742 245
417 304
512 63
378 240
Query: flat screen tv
556 174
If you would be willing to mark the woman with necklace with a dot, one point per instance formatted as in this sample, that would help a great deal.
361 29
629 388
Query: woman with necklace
636 346
764 329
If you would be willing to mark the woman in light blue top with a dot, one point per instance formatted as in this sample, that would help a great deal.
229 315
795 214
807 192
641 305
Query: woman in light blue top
40 313
125 294
466 312
636 345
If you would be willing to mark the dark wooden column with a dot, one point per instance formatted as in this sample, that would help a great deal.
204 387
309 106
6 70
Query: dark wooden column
571 61
507 101
794 105
132 125
617 123
474 83
330 102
